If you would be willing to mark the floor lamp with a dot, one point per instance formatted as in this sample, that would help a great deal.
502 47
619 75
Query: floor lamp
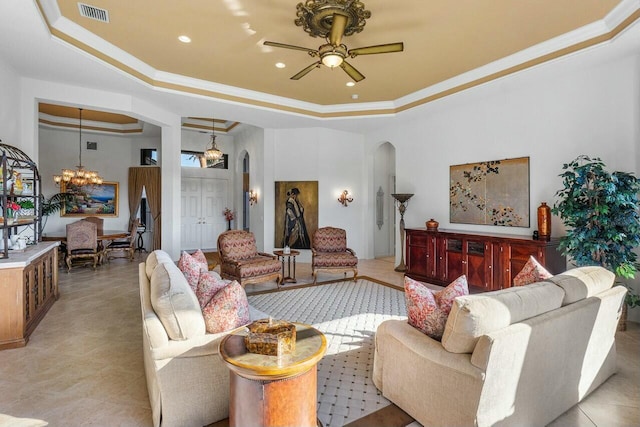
401 201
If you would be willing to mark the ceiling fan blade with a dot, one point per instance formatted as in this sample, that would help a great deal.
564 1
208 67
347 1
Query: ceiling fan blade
289 46
306 71
381 48
353 73
338 25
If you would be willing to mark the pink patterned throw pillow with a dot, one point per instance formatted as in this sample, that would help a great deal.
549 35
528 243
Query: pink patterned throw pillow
199 256
208 285
532 272
428 310
191 267
228 309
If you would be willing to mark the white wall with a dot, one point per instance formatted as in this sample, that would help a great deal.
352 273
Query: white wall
336 160
112 159
250 140
9 106
587 103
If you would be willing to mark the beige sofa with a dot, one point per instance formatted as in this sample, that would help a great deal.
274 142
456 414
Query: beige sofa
515 357
187 381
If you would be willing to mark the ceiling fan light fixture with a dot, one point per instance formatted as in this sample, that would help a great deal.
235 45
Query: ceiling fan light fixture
332 60
332 56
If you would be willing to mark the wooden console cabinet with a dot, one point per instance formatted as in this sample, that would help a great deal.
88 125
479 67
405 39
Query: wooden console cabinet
28 288
490 261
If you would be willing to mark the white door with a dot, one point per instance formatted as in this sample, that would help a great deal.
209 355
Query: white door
202 203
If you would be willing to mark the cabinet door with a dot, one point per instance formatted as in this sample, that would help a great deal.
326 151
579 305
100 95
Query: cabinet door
453 258
432 257
417 254
478 264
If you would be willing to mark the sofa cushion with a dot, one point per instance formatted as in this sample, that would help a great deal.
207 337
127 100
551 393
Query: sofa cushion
252 267
228 309
427 310
191 267
583 282
175 303
154 258
475 315
532 272
209 284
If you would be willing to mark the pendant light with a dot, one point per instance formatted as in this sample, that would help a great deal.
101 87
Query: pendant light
80 176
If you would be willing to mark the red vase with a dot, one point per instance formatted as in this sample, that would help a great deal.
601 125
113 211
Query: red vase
544 222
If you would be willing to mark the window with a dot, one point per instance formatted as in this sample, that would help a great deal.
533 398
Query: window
193 159
148 156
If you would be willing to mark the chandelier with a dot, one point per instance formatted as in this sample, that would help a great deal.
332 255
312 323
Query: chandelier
213 152
80 176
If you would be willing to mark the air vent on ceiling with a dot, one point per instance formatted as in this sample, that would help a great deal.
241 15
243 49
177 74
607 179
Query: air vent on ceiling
93 12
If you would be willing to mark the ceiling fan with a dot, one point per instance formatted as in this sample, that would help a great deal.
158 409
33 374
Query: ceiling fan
334 19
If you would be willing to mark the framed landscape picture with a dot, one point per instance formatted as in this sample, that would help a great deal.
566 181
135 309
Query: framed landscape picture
495 192
91 200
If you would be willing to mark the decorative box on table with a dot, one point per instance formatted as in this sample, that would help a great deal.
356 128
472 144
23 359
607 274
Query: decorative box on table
271 337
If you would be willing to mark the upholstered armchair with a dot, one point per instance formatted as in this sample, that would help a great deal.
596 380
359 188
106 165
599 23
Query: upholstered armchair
126 246
82 243
329 251
241 261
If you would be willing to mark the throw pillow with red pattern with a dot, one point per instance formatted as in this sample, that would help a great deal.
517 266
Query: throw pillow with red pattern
228 309
428 310
209 284
532 272
190 267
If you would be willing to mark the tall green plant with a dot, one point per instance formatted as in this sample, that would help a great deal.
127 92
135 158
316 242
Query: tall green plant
600 211
53 204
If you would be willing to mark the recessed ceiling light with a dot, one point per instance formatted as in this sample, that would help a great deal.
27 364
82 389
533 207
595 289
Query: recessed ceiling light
280 65
185 39
351 84
354 96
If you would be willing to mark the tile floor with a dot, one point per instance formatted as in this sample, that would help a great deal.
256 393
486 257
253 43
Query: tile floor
83 364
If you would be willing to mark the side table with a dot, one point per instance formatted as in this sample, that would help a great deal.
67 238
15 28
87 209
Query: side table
273 390
140 241
288 278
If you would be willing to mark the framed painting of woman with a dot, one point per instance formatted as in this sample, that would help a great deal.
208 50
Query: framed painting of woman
296 213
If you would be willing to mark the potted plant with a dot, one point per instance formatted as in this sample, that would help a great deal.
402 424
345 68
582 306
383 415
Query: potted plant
53 204
600 211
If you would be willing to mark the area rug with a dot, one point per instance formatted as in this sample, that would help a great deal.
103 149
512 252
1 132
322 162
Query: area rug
348 313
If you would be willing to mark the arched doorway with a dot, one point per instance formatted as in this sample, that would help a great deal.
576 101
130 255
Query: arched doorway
384 176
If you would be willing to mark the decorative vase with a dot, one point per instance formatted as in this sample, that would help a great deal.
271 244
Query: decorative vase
432 225
544 222
228 224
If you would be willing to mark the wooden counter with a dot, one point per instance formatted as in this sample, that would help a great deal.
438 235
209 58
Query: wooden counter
28 288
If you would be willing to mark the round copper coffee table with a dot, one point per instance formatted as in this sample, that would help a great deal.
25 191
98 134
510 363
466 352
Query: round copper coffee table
273 390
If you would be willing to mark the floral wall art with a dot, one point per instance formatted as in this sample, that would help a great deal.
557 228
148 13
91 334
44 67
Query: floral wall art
494 192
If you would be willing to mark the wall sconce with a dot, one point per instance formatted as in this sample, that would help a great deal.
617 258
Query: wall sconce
253 197
345 198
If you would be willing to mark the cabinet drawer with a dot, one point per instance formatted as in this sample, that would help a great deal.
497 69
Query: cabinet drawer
417 239
522 252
